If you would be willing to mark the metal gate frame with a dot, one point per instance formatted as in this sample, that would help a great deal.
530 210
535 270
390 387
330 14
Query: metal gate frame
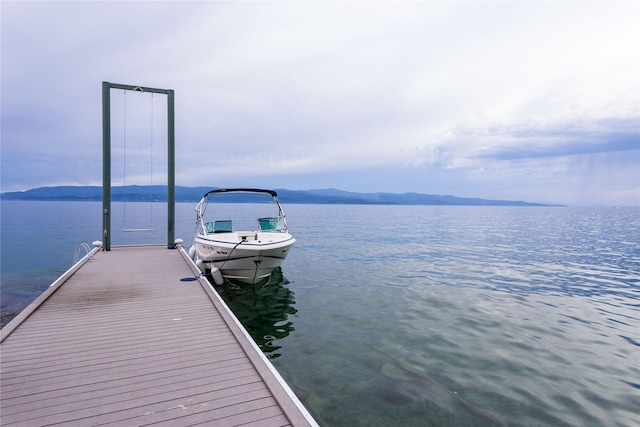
106 160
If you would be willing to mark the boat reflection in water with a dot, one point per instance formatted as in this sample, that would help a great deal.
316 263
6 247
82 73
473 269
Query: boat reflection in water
263 309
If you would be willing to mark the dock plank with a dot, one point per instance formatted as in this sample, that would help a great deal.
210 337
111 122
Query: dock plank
124 341
108 391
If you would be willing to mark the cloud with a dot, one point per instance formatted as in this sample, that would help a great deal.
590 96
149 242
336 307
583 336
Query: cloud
301 93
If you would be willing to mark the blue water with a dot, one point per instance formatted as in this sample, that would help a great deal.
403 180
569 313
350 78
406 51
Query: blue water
413 315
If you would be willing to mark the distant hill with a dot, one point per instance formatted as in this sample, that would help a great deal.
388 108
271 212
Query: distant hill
158 193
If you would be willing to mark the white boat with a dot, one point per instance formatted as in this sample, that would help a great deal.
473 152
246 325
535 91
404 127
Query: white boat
248 256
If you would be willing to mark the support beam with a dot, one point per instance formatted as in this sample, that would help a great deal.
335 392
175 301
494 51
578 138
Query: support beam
106 166
171 176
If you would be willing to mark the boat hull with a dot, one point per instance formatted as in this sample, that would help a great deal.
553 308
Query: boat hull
242 259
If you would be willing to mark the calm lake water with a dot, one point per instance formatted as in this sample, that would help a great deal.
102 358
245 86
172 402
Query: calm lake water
411 315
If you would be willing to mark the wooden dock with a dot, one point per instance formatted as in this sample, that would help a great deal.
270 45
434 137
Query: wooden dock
134 336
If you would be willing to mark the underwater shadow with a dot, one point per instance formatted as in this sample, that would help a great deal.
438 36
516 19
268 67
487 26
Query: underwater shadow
263 309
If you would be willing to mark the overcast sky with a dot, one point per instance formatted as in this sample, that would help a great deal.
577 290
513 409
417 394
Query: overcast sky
536 101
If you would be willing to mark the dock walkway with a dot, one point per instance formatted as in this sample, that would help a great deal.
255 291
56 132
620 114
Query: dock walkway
135 337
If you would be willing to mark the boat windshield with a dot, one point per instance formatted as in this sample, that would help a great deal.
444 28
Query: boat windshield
223 226
274 223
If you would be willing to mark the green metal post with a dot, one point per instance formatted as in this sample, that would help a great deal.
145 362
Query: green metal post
106 161
106 166
171 177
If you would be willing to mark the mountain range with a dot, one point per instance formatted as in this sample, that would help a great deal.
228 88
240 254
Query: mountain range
158 193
